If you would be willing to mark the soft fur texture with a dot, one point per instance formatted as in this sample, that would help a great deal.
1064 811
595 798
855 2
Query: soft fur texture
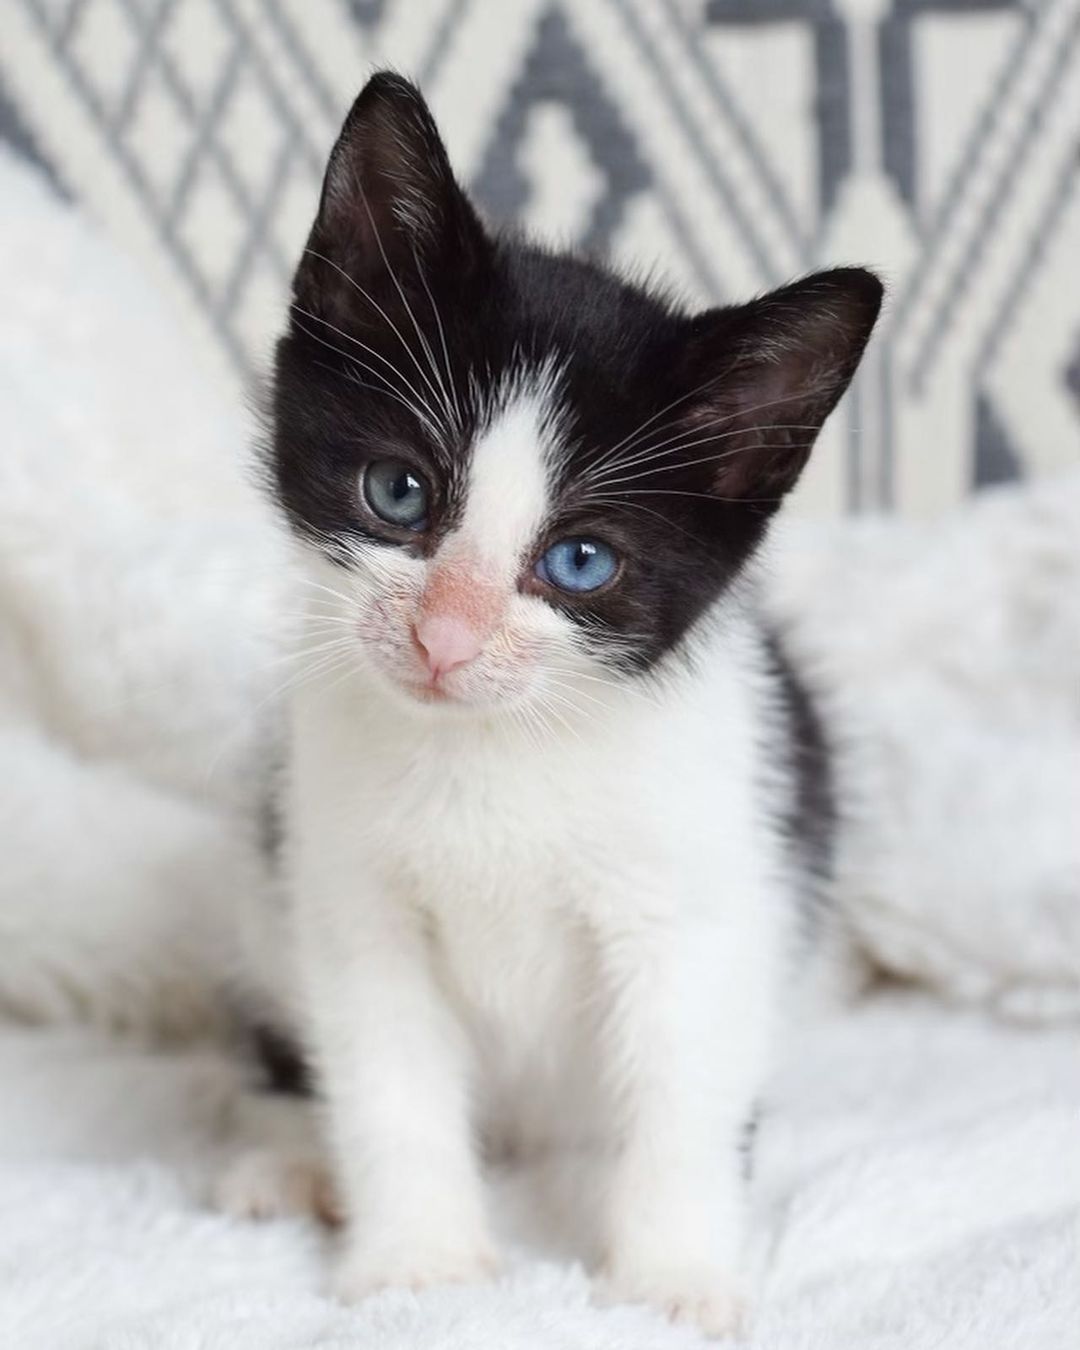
916 1162
537 871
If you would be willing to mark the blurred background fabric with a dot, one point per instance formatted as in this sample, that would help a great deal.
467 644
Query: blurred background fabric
725 145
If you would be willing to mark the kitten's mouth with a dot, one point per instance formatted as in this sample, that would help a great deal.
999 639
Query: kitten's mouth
429 691
432 693
435 693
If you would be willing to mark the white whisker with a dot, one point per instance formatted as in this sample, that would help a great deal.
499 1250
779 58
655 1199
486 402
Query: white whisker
634 437
428 416
376 306
691 437
606 458
442 339
682 464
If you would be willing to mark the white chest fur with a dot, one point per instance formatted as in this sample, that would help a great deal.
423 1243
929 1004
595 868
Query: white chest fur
526 860
553 939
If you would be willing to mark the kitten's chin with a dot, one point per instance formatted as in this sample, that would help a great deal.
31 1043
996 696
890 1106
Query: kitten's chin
444 700
449 702
431 694
415 696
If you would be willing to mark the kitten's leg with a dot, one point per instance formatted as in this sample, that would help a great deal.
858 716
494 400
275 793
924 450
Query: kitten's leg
686 1043
393 1066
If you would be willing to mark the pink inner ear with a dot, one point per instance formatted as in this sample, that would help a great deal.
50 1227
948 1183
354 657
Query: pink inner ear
760 427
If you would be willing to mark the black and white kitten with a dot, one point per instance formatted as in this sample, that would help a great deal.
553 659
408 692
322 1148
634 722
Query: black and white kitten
546 824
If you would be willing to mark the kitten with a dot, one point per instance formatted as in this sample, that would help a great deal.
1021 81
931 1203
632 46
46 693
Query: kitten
550 828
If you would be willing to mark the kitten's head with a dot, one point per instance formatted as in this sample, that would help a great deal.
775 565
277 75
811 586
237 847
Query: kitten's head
514 471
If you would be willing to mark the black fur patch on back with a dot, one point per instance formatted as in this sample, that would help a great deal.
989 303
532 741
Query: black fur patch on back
811 817
281 1062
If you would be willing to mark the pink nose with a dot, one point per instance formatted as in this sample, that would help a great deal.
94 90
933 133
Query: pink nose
446 643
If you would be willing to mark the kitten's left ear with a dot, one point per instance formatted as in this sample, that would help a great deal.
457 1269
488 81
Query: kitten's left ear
773 370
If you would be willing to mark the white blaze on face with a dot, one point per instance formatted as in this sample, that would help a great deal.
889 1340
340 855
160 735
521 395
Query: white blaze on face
509 489
473 578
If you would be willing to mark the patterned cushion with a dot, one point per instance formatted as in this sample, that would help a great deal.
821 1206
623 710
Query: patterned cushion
723 144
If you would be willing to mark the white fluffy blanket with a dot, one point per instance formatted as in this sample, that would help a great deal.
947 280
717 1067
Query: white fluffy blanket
918 1186
918 1177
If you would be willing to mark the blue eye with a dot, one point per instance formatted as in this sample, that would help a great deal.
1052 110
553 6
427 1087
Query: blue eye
577 565
396 494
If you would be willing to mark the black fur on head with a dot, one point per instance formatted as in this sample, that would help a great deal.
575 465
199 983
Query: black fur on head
683 431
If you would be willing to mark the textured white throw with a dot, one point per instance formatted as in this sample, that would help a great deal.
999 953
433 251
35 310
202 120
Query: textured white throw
918 1186
918 1168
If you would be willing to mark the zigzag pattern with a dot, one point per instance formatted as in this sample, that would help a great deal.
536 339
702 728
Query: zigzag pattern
726 144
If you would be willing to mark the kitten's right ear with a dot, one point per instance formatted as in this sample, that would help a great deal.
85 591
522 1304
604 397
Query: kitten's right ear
390 203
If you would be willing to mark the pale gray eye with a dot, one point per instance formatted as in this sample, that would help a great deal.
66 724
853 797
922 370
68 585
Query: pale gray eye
396 494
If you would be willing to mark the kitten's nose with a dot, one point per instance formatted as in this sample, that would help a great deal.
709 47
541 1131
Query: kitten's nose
446 643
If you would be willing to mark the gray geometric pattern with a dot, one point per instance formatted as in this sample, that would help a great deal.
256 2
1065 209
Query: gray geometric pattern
21 139
995 459
556 69
1072 376
832 99
897 63
730 144
207 162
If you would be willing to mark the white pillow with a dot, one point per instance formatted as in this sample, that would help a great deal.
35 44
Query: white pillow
948 657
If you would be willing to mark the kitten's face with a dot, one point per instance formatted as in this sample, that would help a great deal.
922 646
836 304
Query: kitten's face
468 578
518 478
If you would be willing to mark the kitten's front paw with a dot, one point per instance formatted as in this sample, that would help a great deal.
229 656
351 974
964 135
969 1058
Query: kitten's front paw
704 1297
363 1272
268 1184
